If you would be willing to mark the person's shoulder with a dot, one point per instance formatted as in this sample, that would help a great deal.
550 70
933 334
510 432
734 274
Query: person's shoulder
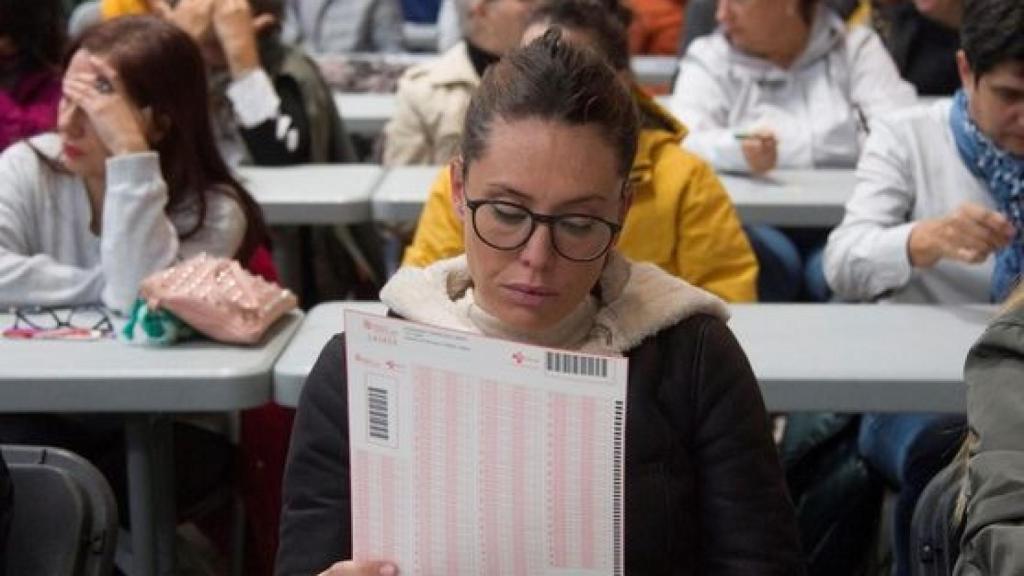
332 355
663 150
699 329
709 50
33 159
692 341
925 121
1006 331
28 150
922 122
326 379
451 66
224 203
417 83
859 35
675 168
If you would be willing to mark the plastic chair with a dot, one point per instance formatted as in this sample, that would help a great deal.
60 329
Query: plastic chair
65 515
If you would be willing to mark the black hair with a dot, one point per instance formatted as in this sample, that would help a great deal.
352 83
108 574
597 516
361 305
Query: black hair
550 79
992 33
606 20
37 28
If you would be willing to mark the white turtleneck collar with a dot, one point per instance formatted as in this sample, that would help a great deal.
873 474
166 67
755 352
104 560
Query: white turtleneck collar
570 332
633 301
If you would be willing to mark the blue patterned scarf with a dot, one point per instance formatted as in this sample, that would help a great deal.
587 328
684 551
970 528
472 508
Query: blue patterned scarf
1003 174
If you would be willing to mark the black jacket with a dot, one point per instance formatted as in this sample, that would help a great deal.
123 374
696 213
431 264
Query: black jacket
704 488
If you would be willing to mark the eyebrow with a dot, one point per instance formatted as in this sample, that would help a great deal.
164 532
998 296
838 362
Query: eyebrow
525 198
1015 90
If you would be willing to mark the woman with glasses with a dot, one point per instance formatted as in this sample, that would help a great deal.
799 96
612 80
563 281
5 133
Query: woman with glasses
130 182
541 186
681 217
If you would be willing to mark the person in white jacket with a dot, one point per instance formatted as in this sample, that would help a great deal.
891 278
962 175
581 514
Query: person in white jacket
432 97
938 218
784 84
130 183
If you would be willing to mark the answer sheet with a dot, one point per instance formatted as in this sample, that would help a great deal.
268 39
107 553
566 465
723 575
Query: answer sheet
472 455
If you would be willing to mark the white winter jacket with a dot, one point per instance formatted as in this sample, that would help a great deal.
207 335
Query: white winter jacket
820 109
910 171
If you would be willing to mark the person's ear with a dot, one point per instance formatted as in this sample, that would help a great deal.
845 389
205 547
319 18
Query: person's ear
627 201
967 76
477 8
458 182
263 22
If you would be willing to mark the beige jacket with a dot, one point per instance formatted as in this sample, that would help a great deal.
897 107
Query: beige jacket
432 100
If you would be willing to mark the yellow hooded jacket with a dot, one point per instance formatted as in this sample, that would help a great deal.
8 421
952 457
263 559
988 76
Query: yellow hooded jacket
681 218
114 8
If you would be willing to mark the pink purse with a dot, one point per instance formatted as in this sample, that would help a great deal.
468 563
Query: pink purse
218 298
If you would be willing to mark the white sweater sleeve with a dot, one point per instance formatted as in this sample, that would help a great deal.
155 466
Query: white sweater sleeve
866 255
138 237
699 101
27 276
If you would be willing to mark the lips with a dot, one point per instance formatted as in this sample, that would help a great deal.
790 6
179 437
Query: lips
72 151
528 295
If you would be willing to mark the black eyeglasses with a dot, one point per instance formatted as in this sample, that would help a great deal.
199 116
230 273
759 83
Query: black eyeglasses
508 226
78 322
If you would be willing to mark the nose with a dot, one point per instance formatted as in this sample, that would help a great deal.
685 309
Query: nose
538 250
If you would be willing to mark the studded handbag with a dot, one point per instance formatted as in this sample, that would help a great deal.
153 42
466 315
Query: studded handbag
218 298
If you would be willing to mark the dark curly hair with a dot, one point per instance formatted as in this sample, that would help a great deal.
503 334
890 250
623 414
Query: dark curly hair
992 33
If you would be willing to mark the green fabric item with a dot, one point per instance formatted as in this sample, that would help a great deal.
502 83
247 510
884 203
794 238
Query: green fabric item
154 327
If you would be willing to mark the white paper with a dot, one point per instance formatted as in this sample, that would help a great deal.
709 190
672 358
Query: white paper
472 455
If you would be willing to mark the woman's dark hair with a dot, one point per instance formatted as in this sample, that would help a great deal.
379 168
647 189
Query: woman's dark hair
607 21
551 80
37 28
163 70
992 33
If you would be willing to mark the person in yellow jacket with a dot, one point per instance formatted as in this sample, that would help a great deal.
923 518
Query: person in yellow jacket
114 8
680 218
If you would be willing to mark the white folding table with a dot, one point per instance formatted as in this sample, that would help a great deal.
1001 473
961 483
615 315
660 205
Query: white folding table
314 194
833 357
146 385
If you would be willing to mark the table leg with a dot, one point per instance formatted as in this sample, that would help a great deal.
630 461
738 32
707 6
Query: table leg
151 494
164 501
139 440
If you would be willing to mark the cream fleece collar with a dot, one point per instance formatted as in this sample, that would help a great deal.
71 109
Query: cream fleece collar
636 301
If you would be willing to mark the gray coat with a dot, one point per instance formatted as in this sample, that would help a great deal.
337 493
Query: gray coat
344 26
993 538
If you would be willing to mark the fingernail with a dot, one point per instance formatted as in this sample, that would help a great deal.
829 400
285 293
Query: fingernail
387 570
